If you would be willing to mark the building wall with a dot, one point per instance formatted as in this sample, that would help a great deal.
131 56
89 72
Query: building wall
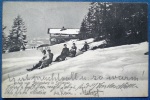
55 39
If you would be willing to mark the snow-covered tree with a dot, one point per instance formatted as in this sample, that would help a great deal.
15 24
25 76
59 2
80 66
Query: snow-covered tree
17 35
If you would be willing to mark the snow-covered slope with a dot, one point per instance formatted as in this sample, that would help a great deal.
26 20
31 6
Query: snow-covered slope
126 60
16 63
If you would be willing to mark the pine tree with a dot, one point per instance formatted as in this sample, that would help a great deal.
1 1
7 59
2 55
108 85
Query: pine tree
83 30
117 23
17 35
96 20
4 42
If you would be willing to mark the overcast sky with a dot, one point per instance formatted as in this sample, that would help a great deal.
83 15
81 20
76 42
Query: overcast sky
39 16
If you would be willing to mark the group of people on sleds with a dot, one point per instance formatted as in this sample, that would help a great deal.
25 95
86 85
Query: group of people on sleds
47 58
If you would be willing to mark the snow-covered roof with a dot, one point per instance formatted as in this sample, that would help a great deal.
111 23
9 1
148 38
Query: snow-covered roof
66 31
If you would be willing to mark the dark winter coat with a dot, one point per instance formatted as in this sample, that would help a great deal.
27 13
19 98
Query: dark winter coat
63 55
51 57
73 51
65 52
74 48
85 47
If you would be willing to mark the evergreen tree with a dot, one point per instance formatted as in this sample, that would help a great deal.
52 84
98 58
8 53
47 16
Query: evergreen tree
4 42
83 30
17 35
117 23
96 20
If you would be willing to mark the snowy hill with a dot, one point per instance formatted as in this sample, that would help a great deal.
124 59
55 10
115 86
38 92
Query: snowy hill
16 63
126 60
120 57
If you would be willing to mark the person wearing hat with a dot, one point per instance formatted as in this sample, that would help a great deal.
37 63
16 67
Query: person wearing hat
64 54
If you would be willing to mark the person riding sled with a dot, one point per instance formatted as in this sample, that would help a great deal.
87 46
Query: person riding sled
85 47
73 50
44 62
48 60
64 54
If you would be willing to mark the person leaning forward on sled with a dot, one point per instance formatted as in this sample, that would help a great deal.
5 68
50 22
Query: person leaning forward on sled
45 61
85 47
64 54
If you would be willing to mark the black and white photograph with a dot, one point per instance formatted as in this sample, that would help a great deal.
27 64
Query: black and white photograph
74 49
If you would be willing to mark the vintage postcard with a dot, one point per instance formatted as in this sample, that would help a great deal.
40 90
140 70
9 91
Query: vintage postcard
74 49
